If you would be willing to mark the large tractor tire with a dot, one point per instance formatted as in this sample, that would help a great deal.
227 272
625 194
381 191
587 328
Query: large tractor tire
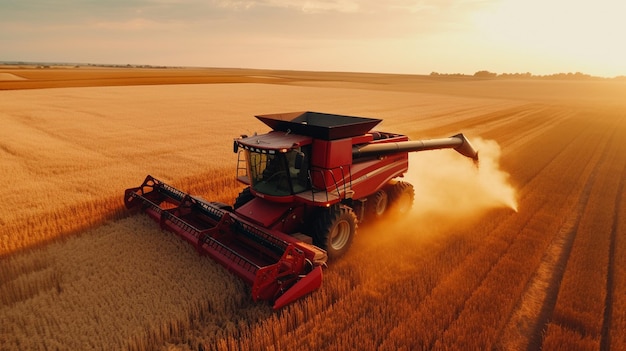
244 197
377 205
401 196
335 229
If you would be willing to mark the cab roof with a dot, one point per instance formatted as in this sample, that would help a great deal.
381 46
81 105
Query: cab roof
274 140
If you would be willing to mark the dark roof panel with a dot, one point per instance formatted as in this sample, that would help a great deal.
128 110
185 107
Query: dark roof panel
319 125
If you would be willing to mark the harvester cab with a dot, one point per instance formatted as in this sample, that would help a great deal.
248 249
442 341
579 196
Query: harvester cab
309 182
274 165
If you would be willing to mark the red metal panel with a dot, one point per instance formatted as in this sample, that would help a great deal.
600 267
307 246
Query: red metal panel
263 212
339 153
319 153
331 154
330 179
362 139
368 177
307 284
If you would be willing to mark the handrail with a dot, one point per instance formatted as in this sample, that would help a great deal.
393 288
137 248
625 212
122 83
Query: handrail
239 167
335 186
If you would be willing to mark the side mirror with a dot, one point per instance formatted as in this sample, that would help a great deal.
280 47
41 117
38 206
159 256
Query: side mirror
235 146
299 160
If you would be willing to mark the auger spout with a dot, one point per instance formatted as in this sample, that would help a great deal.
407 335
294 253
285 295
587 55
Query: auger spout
457 142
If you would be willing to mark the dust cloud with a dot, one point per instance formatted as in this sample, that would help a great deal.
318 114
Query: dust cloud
447 182
450 192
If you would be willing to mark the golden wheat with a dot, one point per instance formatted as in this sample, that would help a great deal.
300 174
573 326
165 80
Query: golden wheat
421 283
75 147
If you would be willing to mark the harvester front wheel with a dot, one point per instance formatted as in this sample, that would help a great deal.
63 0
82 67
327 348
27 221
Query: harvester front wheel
402 195
335 230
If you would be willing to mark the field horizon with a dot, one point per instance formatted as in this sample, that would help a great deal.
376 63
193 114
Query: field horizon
540 267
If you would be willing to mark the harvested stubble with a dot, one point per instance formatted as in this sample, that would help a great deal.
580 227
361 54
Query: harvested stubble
617 337
585 295
530 233
559 218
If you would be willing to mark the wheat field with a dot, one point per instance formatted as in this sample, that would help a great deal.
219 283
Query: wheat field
474 266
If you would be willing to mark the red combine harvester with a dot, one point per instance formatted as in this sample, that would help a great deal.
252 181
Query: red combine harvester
310 181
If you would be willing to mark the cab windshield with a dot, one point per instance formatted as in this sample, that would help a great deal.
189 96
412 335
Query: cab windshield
276 174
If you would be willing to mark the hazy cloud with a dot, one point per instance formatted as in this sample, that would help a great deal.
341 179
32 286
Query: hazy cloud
309 6
394 35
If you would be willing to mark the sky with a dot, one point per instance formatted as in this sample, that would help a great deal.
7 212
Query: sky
395 36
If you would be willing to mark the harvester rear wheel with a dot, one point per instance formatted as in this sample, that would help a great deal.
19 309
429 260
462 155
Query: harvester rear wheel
402 195
335 230
244 197
377 204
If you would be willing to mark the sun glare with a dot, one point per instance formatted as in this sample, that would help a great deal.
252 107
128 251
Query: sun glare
580 34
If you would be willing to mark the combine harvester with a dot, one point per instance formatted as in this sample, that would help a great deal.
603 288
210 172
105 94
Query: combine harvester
310 181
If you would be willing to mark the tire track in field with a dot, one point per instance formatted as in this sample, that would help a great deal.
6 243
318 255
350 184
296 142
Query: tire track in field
466 117
545 163
531 114
520 138
524 329
544 206
483 119
605 340
539 298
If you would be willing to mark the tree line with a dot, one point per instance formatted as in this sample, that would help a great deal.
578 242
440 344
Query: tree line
526 75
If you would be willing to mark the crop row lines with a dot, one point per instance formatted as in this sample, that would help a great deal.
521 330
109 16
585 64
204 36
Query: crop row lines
524 328
491 304
617 337
611 296
579 310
